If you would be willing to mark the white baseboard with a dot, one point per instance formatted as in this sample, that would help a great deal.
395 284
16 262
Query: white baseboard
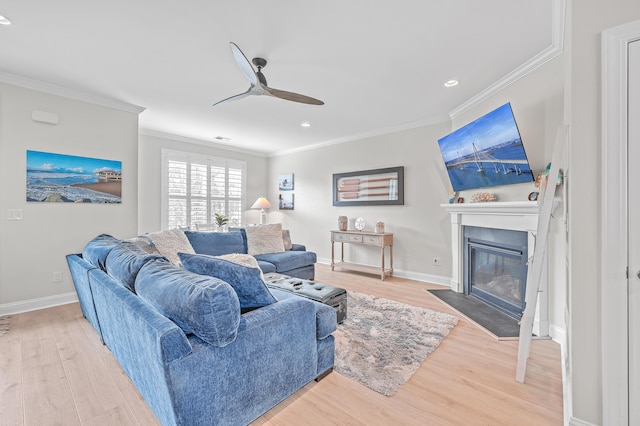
39 303
417 276
577 422
558 334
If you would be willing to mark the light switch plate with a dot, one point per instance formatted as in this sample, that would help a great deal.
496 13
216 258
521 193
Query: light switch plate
14 214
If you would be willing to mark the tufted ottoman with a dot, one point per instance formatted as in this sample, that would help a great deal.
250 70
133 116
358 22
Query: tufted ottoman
323 293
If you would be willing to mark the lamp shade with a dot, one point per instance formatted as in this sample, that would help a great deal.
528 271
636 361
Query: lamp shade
261 203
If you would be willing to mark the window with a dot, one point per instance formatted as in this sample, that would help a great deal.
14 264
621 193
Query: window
195 187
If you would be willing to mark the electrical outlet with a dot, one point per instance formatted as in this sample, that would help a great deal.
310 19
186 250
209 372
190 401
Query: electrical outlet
57 277
437 261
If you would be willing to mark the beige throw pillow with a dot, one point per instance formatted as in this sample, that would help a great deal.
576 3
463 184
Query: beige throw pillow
263 239
244 260
170 242
286 239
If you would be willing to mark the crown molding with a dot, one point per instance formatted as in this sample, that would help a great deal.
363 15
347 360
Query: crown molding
364 135
556 49
52 89
208 144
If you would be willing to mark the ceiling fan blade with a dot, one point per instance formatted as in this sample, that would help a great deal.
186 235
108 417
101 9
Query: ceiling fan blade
290 96
236 97
244 64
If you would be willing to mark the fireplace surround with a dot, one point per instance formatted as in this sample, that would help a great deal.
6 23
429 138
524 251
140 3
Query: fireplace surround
512 215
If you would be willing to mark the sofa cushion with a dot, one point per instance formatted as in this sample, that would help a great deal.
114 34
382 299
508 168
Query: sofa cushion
97 250
246 280
125 260
266 267
205 306
216 243
264 239
288 260
170 242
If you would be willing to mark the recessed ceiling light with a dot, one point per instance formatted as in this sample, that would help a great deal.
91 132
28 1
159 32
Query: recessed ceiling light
451 83
305 124
4 20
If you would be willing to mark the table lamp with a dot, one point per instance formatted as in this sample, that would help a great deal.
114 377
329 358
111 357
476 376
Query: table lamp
262 203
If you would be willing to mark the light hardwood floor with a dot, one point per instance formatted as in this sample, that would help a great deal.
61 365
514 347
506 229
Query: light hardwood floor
55 371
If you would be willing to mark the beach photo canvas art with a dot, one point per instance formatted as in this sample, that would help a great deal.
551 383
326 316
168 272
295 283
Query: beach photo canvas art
68 178
286 201
285 182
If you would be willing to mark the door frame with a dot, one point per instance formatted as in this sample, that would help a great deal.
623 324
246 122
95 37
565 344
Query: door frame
614 228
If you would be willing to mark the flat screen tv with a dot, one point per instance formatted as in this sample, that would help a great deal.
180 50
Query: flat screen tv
486 152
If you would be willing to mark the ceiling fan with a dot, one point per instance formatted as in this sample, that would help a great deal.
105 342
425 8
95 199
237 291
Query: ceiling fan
259 82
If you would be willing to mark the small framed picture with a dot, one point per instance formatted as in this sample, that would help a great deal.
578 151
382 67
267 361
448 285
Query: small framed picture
285 201
285 182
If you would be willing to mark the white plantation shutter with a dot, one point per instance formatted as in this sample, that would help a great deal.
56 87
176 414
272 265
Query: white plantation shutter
196 187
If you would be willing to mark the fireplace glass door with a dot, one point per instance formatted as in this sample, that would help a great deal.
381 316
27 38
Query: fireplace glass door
496 269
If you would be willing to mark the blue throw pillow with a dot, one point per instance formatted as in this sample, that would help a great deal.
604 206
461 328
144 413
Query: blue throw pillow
97 250
216 243
125 260
201 305
246 280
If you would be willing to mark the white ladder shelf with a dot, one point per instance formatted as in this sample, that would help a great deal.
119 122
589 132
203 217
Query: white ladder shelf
537 261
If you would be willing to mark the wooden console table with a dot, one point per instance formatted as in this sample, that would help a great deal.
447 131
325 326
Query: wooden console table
365 238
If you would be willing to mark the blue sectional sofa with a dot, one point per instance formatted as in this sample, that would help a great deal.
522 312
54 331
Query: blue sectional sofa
201 350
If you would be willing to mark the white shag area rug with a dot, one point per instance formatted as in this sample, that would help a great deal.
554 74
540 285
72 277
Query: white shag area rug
383 342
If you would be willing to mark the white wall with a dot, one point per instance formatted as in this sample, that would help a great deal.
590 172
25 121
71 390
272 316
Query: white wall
589 18
421 228
150 175
32 249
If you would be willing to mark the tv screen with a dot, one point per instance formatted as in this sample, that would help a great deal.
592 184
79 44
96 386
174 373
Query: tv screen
486 152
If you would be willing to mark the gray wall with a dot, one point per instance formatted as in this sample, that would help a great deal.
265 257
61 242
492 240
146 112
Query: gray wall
32 249
421 228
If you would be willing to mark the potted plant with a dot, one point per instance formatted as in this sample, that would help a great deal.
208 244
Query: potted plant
221 221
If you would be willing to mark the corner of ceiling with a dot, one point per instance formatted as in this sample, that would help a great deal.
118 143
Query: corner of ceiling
556 48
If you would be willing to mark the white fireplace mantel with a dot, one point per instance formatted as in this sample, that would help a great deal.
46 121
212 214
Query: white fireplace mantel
514 215
511 215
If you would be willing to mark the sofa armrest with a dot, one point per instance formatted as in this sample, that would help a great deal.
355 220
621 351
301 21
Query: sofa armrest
325 315
298 247
79 269
142 340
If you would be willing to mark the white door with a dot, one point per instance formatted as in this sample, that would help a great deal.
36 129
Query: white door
634 231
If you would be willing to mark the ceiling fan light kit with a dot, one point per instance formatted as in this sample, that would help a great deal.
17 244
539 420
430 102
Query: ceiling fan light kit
258 81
